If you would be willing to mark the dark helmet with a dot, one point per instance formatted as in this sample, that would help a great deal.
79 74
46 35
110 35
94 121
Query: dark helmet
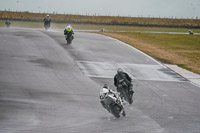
106 86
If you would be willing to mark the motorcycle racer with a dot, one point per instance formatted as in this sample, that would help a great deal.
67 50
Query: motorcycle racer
104 92
122 75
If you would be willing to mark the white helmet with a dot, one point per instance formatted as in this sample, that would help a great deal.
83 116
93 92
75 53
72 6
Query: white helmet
103 92
47 15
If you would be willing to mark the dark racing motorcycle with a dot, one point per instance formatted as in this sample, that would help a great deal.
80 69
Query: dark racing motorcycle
69 38
114 105
125 91
46 25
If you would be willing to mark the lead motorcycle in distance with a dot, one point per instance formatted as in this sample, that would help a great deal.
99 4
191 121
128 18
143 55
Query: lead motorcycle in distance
47 21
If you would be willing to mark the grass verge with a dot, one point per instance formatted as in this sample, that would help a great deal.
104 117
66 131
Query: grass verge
182 50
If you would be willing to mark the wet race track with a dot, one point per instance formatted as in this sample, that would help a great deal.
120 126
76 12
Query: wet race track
47 86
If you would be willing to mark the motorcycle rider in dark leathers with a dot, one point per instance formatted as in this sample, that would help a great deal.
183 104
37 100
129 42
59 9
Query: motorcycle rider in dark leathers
68 31
47 20
122 75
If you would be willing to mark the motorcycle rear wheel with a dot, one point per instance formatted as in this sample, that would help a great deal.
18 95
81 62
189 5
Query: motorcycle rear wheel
127 95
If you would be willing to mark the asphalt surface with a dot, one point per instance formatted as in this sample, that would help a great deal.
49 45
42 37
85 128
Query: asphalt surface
47 86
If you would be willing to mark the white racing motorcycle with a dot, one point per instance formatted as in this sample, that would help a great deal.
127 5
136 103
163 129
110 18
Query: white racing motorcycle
112 102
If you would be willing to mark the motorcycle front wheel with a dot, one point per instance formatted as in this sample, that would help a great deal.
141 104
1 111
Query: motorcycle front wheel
115 110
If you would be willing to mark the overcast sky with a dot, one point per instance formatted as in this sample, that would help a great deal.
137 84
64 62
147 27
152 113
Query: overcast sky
133 8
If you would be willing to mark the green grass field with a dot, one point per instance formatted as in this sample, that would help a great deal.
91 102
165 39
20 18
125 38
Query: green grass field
180 49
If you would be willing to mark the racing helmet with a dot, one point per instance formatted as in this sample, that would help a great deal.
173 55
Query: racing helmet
104 91
68 28
119 70
47 15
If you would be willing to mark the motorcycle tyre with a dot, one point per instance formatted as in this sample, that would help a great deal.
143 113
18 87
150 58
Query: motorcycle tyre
126 94
69 40
115 110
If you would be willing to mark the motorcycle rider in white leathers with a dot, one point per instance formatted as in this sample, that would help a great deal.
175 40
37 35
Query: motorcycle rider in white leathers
104 93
